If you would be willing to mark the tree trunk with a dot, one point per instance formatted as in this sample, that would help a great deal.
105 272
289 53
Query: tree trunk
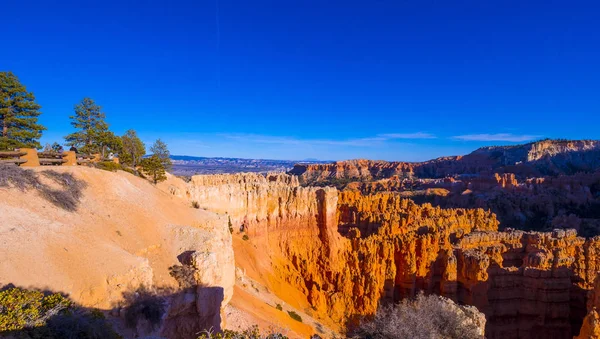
5 125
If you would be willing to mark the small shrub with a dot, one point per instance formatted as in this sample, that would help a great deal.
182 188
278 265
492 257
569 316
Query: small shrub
184 274
245 237
295 316
20 308
130 170
279 307
195 204
110 166
250 333
422 318
230 225
18 177
69 196
31 314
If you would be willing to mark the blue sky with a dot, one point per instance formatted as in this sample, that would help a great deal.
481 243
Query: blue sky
296 79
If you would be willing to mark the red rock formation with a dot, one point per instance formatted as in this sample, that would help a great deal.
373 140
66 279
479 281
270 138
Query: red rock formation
546 157
348 252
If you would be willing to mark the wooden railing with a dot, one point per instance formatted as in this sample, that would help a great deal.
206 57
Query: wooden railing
12 157
30 157
86 159
51 158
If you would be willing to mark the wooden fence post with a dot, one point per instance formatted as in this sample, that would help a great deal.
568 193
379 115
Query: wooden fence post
70 157
31 156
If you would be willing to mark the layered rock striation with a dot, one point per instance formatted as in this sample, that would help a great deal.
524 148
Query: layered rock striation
348 252
540 158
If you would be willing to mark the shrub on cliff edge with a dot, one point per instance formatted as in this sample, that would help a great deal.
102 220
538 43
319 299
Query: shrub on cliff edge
250 333
425 317
32 314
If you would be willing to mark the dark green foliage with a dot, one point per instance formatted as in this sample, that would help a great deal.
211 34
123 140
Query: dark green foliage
129 170
295 316
279 307
245 237
20 308
18 115
109 143
230 225
160 149
133 149
153 167
92 135
54 148
32 314
110 166
195 204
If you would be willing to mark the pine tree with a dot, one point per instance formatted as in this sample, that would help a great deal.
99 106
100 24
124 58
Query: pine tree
109 142
133 149
161 150
153 167
56 147
89 120
18 115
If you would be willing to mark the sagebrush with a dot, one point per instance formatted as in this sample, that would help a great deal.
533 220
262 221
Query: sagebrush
425 317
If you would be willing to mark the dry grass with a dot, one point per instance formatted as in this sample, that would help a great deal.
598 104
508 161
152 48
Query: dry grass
18 177
69 195
425 317
66 197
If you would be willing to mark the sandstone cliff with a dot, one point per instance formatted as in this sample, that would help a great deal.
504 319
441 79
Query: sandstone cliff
546 157
346 252
124 233
590 329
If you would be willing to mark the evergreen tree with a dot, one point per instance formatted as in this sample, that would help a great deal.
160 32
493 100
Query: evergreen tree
133 149
153 167
89 121
56 147
161 150
109 142
18 115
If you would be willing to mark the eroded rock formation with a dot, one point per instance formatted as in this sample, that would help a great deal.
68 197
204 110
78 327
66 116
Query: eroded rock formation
347 252
546 157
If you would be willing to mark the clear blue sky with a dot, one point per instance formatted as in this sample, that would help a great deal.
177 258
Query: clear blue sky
296 79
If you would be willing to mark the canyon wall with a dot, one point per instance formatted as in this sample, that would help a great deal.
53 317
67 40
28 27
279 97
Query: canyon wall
546 157
347 252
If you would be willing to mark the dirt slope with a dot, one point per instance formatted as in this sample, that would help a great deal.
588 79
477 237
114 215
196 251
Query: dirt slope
124 233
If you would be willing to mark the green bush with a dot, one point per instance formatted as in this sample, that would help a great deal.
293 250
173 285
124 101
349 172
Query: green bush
108 166
295 316
279 307
32 314
245 237
20 308
195 204
130 170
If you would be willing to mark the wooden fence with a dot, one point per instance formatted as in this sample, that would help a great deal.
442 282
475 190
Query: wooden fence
30 157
